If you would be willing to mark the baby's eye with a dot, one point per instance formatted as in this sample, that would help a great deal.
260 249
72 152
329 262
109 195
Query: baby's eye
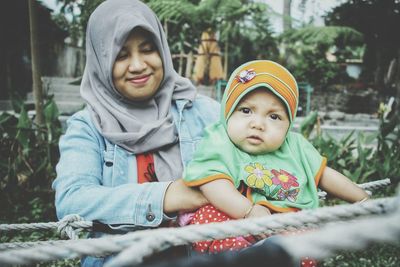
274 117
245 110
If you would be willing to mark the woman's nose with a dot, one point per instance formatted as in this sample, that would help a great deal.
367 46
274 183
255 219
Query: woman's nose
137 64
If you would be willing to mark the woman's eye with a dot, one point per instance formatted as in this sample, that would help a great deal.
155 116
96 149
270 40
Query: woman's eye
245 110
148 48
122 56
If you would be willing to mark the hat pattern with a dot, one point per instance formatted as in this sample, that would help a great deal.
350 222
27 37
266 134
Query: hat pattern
261 73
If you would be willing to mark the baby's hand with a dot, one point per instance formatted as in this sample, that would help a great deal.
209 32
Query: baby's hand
258 211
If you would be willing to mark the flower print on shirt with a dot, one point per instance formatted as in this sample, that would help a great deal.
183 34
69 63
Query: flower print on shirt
285 179
290 195
273 184
259 176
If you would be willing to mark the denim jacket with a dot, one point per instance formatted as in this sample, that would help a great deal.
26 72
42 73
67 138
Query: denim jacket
98 180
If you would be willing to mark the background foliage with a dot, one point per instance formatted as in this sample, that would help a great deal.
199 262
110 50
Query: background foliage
29 153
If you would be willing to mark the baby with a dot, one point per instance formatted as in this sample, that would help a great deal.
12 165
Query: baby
251 164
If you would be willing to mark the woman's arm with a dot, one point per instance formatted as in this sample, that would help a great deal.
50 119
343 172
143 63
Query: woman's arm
95 191
224 196
338 185
180 197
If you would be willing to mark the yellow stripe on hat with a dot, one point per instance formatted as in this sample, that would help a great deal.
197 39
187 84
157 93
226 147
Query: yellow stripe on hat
267 72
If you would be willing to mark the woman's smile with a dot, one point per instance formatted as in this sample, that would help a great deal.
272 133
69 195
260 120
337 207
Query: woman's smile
139 80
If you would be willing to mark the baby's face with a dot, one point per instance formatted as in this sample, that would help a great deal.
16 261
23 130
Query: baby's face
259 122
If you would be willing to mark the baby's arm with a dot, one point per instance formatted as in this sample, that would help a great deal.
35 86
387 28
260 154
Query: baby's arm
340 186
224 196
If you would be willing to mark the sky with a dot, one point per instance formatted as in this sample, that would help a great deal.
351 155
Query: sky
314 9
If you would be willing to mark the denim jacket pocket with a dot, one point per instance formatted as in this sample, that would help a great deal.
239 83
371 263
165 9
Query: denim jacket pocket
188 148
121 165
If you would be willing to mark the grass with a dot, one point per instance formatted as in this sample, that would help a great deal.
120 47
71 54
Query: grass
375 255
378 255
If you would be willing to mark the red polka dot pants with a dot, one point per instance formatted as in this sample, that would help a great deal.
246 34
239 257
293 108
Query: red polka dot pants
305 261
209 214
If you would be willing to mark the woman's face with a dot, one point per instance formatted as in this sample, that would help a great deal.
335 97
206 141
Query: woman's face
138 69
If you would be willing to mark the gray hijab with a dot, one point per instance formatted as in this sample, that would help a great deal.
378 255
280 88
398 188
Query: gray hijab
139 127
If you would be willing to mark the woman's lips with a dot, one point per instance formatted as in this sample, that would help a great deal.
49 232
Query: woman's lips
140 80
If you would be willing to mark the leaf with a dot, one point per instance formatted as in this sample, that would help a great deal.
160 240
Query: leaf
23 127
347 173
370 138
307 125
341 162
17 102
276 189
51 111
356 174
326 35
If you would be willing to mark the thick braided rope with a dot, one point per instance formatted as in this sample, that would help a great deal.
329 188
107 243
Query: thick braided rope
71 225
161 238
366 186
186 235
75 221
353 236
65 225
375 184
15 245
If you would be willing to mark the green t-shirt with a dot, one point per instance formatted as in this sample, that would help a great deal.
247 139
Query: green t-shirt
283 180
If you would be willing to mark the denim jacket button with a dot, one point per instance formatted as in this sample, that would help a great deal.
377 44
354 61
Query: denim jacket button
150 216
109 163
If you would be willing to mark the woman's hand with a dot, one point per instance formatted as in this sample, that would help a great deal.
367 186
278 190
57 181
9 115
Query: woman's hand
258 211
180 197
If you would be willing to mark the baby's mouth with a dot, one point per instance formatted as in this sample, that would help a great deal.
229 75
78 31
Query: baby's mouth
254 139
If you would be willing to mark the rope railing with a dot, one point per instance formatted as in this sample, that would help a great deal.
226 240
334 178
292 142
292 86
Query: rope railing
155 240
287 250
366 186
268 225
358 234
16 245
72 225
76 223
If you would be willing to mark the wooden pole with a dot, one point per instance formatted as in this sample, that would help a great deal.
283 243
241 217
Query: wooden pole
35 62
189 65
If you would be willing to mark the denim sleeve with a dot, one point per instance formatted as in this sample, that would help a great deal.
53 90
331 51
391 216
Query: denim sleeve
80 186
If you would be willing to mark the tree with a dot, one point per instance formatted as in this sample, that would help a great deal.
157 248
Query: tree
35 60
79 11
376 20
225 17
185 20
287 18
306 48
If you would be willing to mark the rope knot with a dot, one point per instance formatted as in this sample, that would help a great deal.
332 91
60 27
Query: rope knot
66 226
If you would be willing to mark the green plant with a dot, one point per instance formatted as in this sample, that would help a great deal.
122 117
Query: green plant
364 157
29 152
308 124
306 53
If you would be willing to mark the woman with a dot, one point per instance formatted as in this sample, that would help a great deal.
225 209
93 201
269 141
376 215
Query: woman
141 124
